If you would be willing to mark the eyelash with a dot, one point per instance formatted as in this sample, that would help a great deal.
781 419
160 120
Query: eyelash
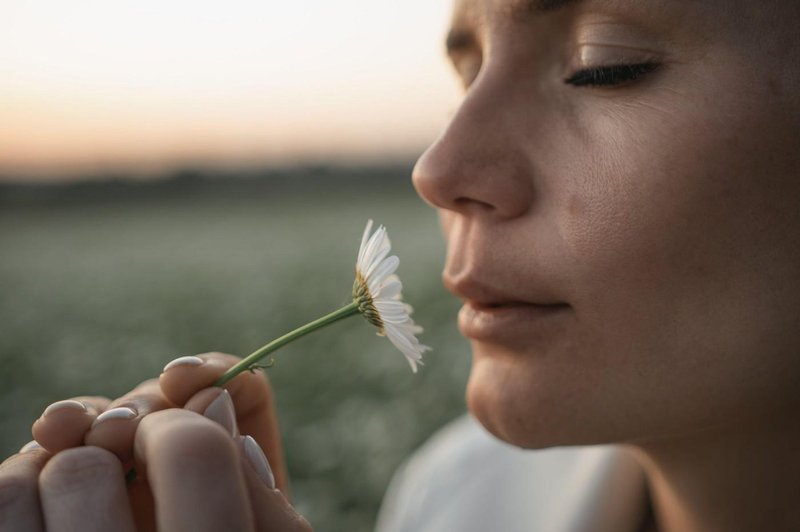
609 76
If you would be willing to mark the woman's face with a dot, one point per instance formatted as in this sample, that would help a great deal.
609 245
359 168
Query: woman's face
620 194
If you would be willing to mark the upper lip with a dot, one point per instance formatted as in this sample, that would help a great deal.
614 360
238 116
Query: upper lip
481 293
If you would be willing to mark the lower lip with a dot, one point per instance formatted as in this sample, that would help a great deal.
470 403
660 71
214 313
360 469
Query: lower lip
506 323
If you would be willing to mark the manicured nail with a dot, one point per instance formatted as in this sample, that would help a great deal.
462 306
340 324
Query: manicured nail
259 461
32 445
221 410
122 412
184 361
68 404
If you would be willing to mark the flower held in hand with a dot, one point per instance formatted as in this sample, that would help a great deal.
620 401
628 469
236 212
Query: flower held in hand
376 296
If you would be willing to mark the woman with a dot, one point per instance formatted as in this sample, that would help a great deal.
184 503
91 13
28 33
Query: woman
619 191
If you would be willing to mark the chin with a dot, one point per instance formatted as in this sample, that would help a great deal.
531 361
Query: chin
530 404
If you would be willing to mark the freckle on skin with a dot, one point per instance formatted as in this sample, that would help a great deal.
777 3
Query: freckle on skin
575 205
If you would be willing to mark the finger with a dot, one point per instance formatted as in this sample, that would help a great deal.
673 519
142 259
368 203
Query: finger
192 466
272 510
19 490
114 429
142 504
215 404
185 376
64 423
84 489
251 394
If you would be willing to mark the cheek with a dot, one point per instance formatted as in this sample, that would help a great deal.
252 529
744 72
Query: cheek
684 245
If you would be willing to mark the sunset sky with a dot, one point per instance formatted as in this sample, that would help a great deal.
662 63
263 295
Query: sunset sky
143 84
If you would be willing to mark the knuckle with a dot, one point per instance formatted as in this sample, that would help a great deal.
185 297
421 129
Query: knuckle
93 402
149 383
19 476
8 462
140 400
78 469
13 486
148 387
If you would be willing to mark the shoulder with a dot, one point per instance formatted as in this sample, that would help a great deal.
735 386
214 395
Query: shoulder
465 479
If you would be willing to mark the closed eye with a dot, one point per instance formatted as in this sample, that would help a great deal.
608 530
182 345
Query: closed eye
607 76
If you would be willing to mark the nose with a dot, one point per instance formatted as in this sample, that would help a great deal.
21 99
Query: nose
478 164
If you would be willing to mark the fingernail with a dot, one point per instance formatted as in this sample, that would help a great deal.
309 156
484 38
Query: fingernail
32 445
222 411
184 361
68 404
122 412
259 461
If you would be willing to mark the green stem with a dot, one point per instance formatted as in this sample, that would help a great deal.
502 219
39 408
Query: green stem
253 358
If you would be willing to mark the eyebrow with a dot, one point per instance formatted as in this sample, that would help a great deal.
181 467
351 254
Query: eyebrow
460 39
546 6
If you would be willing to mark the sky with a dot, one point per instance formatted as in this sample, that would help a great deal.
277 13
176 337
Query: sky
142 85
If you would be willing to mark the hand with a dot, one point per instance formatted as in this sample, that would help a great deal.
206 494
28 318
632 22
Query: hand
194 474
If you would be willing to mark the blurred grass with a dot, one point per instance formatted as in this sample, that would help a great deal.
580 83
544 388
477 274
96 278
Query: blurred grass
98 294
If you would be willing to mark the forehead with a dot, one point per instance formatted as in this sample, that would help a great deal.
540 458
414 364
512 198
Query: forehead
478 10
471 16
745 11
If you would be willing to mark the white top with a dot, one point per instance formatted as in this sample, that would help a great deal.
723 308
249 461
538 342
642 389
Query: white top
464 479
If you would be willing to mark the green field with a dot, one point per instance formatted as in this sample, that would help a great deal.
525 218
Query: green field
98 290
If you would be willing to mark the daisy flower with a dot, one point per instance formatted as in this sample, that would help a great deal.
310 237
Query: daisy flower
376 296
377 292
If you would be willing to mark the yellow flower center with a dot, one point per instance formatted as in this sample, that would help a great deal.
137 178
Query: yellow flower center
366 306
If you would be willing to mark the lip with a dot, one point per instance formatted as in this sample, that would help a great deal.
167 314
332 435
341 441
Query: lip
506 322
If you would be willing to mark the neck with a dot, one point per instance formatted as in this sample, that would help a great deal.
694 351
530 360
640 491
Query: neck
742 478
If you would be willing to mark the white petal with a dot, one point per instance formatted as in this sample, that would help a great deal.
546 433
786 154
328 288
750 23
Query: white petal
390 289
395 320
390 280
410 327
390 306
364 240
376 261
402 343
386 290
386 268
374 244
392 311
404 340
